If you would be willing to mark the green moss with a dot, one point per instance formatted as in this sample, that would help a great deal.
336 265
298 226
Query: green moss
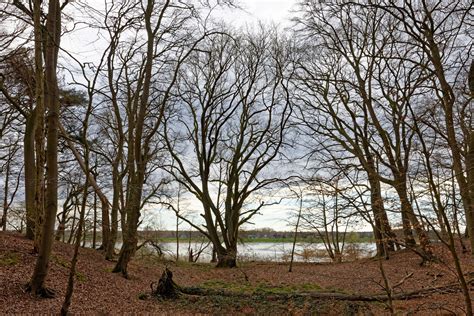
228 286
261 288
9 259
81 277
308 287
66 264
203 266
142 296
60 261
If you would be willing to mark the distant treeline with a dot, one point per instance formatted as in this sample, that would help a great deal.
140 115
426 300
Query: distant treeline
256 235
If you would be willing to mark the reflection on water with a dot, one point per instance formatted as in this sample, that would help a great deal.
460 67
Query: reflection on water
277 252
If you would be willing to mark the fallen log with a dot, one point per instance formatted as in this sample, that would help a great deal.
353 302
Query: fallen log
451 288
167 288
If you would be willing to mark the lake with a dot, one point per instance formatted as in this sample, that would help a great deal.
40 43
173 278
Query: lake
271 251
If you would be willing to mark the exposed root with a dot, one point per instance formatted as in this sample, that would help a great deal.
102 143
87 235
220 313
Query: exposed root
42 292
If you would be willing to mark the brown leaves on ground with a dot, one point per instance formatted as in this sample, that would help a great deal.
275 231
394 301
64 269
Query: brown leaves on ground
99 291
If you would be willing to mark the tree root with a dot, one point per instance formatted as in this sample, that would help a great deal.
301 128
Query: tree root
42 292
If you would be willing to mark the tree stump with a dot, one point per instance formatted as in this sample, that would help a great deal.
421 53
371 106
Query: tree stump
166 288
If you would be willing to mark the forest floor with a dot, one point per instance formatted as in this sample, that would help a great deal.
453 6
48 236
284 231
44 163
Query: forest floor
253 288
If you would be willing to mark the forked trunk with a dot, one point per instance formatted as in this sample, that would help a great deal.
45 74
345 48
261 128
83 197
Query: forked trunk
226 258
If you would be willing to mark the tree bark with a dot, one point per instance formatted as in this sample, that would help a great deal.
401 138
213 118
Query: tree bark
40 160
72 271
94 224
407 210
110 250
226 258
470 161
130 238
5 195
53 27
30 173
384 236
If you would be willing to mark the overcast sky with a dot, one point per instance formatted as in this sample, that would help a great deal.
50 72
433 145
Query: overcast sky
267 11
85 46
277 11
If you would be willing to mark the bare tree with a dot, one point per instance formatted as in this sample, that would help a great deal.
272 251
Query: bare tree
439 31
232 110
51 100
329 215
329 108
142 70
9 169
375 79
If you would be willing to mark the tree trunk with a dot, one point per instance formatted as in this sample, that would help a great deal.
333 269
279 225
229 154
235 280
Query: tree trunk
470 162
73 225
30 173
72 271
61 230
470 178
130 238
407 209
105 223
39 179
5 195
53 28
38 133
177 239
384 236
94 224
110 250
127 251
407 227
448 99
226 258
